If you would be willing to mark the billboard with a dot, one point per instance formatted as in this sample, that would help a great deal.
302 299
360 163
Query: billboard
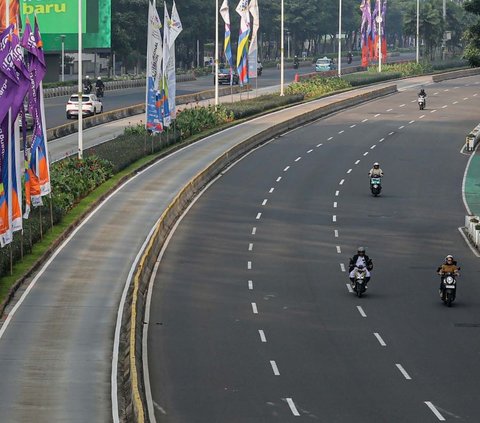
60 17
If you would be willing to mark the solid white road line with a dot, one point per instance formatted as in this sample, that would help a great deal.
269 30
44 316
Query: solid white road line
331 138
254 308
271 190
403 371
360 310
249 265
349 287
339 250
264 202
319 145
334 218
250 285
435 411
342 181
341 132
336 233
309 151
342 268
288 167
380 340
279 179
357 162
254 230
337 193
293 409
262 335
377 115
274 368
364 120
298 158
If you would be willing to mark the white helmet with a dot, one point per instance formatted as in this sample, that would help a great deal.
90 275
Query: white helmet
376 164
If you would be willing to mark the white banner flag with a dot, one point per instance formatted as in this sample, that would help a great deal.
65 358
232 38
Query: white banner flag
175 27
253 49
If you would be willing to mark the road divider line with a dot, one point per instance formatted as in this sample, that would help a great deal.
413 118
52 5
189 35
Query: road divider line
334 217
412 121
319 145
373 146
279 179
349 170
334 204
433 111
309 151
403 371
276 372
249 265
349 287
331 138
391 133
262 335
342 268
337 193
402 105
366 153
288 167
250 285
381 140
339 250
341 132
250 246
380 340
421 117
353 126
389 110
444 106
360 310
293 409
254 230
254 308
264 202
455 102
297 159
434 410
377 115
342 181
259 215
271 190
357 162
401 127
465 98
336 233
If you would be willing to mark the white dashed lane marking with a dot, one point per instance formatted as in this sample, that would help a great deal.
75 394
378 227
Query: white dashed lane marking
331 138
298 158
264 202
357 162
342 267
279 179
433 111
337 193
445 106
421 117
250 285
412 121
293 409
402 105
336 233
271 190
249 265
353 126
335 204
254 308
360 310
403 371
455 102
389 110
309 151
434 411
319 145
435 93
334 218
377 115
263 338
380 340
366 153
391 133
373 146
349 287
364 120
276 372
288 167
339 250
465 98
259 215
250 246
381 140
341 132
341 182
349 170
254 230
401 127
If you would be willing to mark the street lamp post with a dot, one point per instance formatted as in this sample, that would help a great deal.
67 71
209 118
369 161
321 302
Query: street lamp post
340 38
282 48
288 44
63 57
417 41
80 87
379 21
444 46
216 54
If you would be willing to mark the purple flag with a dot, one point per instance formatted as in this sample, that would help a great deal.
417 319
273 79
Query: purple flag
9 84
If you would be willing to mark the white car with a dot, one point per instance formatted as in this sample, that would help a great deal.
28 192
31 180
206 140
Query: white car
91 105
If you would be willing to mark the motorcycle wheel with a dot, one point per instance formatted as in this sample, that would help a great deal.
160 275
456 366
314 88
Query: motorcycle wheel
358 290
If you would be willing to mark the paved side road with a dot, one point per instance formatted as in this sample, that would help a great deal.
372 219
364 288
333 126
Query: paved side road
56 345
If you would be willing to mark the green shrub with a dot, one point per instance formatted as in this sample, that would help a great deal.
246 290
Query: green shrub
365 78
243 109
193 121
317 86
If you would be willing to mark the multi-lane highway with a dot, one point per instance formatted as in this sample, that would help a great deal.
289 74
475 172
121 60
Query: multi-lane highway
252 319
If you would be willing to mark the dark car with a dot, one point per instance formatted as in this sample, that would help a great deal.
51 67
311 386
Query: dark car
224 77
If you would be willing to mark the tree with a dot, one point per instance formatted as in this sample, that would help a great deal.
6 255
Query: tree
472 51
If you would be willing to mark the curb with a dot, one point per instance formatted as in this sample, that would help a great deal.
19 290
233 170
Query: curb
131 341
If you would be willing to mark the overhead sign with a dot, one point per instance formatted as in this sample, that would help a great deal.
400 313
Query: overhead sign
60 17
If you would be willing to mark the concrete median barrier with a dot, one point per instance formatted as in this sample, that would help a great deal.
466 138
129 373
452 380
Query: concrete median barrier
134 326
456 74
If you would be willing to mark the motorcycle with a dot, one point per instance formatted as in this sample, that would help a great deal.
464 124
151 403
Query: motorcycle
449 288
100 92
259 69
87 89
375 185
349 58
359 281
421 102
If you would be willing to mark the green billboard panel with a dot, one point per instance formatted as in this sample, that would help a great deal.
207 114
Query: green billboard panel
60 17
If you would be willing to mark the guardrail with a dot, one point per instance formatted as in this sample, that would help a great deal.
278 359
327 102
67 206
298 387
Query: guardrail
109 86
472 139
472 229
133 322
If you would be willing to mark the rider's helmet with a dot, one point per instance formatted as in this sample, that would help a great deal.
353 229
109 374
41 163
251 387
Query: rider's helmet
87 77
376 165
361 250
99 78
449 259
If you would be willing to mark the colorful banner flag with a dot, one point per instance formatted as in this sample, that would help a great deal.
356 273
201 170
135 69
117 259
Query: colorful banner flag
253 50
175 28
227 46
14 13
164 97
242 49
375 14
363 34
384 34
154 121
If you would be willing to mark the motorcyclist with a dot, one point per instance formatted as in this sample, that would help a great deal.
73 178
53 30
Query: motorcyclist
360 261
99 85
449 266
87 85
375 171
349 57
296 62
423 94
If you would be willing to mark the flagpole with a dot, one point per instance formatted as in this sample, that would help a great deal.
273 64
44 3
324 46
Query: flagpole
80 87
282 67
216 53
340 38
418 30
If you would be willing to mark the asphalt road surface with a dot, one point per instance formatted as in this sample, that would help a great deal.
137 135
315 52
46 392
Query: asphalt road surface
252 319
55 107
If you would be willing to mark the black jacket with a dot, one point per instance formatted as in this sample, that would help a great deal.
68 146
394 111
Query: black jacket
354 259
